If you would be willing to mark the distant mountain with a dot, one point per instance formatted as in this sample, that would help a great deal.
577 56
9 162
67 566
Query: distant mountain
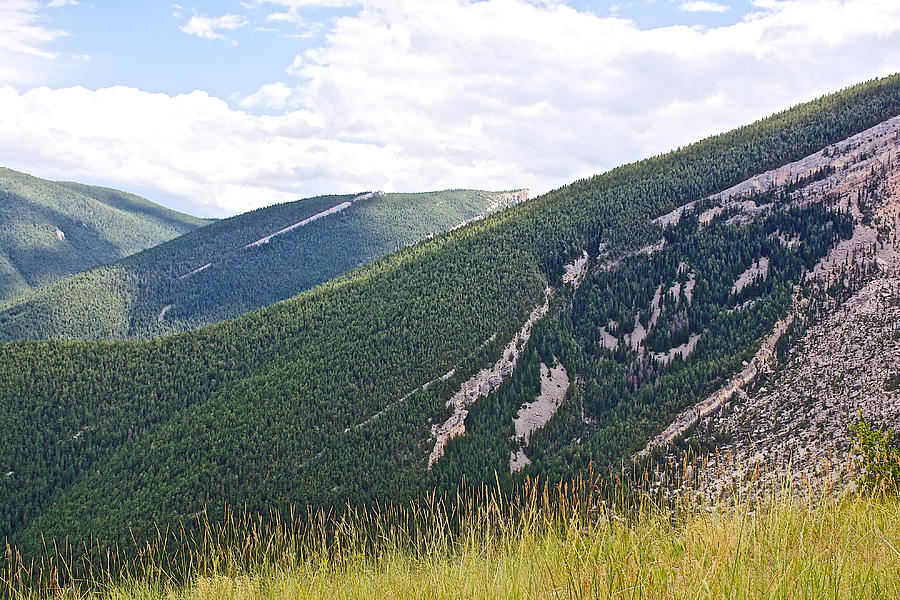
551 339
49 230
240 264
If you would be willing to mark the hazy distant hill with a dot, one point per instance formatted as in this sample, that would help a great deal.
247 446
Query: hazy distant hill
240 264
553 338
49 230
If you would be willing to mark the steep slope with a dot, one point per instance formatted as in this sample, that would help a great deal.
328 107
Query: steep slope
240 264
54 229
837 353
341 394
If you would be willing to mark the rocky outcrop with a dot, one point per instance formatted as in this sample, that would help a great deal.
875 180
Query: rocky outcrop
534 415
759 268
483 383
798 421
162 314
498 201
575 272
195 271
334 209
843 363
635 339
684 350
714 402
851 161
507 199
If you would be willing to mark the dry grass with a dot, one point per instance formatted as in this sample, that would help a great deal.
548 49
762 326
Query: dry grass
562 542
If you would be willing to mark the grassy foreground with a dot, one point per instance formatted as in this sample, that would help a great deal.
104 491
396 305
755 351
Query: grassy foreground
558 543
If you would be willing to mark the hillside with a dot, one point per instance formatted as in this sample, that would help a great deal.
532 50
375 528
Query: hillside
240 264
835 356
548 339
53 229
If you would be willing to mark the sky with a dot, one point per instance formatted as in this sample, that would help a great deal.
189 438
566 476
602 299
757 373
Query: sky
219 107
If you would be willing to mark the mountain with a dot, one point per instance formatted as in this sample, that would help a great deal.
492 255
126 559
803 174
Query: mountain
552 338
838 365
53 229
240 264
834 359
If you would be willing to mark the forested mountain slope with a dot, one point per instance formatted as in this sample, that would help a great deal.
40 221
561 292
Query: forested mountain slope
596 300
240 264
49 230
793 409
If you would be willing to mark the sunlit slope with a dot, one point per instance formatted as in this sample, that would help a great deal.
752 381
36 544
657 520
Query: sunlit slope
331 396
240 264
49 230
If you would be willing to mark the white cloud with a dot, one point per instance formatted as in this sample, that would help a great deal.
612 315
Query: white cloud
209 27
25 42
191 146
492 94
60 3
296 66
702 6
22 29
295 5
291 13
284 17
272 96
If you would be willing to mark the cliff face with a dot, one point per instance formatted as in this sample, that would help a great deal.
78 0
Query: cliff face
840 353
799 414
507 199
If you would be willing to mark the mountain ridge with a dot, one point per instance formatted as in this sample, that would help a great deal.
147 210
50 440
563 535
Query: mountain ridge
275 408
54 229
240 264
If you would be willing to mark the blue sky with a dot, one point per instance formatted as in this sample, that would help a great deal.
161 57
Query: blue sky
141 43
220 107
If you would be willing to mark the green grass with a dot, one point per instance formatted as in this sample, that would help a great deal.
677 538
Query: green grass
557 543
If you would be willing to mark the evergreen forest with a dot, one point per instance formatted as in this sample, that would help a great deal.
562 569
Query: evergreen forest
329 397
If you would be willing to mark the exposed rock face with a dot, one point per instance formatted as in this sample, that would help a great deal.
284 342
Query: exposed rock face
334 209
162 314
507 199
760 268
851 160
683 350
489 379
607 339
801 416
714 402
798 419
195 271
534 415
635 339
498 202
576 271
483 383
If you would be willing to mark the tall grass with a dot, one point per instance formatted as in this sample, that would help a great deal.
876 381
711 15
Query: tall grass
585 539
